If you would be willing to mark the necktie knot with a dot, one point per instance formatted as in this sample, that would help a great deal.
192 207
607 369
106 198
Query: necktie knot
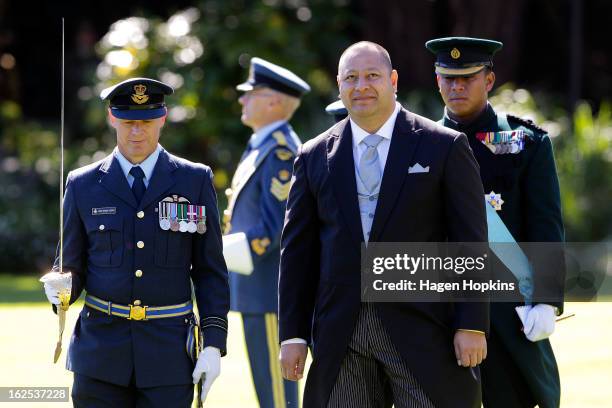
372 140
137 172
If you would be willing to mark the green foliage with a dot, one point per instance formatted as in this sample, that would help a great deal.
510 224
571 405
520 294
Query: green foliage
29 158
585 169
204 53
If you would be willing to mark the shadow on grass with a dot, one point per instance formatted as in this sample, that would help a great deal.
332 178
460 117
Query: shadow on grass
21 289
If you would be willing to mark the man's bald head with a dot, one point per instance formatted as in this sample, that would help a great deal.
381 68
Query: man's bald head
369 46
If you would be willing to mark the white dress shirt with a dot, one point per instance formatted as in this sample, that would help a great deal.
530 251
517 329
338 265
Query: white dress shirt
385 131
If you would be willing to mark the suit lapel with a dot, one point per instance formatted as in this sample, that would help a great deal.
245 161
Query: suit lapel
404 142
342 173
114 180
161 179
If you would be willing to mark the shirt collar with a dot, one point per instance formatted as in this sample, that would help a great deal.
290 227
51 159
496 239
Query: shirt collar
386 130
147 165
258 137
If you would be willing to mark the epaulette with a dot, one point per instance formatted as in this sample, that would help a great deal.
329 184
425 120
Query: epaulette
280 138
528 123
283 154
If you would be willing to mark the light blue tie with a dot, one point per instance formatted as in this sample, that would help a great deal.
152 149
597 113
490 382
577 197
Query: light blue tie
369 164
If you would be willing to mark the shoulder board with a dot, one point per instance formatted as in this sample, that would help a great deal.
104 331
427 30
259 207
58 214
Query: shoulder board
528 123
284 154
280 138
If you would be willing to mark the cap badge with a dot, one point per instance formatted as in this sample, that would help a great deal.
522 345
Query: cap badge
139 97
455 54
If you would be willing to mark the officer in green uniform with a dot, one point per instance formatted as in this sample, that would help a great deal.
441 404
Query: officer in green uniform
518 173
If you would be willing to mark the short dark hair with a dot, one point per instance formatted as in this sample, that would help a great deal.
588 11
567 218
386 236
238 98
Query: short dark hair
363 44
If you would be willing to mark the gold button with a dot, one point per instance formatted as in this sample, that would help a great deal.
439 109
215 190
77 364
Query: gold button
138 273
140 214
101 227
140 244
137 302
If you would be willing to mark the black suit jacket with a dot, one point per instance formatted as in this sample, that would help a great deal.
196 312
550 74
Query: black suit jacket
319 283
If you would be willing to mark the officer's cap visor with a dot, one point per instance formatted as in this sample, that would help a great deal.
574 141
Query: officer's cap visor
245 87
458 72
138 114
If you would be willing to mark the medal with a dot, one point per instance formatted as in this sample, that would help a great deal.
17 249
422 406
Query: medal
201 228
164 222
494 200
503 142
191 215
174 225
182 217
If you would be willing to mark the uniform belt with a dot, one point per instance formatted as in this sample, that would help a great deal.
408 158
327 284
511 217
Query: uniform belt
137 312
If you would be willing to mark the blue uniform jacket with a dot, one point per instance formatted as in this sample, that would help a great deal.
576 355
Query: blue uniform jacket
102 224
257 207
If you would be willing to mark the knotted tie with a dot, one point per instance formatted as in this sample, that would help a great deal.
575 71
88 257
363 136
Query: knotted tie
369 166
138 187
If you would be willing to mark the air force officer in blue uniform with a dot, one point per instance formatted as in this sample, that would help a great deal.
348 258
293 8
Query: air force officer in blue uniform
129 244
254 220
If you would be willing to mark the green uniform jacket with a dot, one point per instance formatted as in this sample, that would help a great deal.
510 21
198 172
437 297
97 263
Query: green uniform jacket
529 187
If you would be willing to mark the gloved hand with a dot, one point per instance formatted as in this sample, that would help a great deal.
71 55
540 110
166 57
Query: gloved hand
538 321
209 365
55 282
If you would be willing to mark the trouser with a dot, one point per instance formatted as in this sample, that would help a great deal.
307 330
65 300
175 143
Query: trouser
261 335
88 392
372 365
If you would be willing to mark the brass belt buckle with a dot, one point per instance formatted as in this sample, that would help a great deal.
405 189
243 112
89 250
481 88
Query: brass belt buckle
138 313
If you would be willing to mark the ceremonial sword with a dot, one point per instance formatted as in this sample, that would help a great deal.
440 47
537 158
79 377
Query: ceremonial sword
64 293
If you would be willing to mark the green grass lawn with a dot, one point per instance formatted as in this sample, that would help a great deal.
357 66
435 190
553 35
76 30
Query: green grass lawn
21 289
583 346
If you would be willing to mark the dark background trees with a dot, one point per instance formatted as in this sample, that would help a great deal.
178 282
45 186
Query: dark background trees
557 49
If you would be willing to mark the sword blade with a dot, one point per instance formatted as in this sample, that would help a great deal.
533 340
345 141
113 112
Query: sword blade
61 182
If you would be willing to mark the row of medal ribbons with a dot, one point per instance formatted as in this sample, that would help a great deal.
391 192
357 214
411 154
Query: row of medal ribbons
504 142
182 217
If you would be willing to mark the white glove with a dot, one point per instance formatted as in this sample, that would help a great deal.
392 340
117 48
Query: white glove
538 321
237 253
54 283
209 366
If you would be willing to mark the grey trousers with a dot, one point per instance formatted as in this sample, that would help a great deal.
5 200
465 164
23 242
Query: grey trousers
372 367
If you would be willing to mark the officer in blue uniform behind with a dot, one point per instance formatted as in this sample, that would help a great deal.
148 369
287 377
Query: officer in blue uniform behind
140 227
518 173
254 220
337 110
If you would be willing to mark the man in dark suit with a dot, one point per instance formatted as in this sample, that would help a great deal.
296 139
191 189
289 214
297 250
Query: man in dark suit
254 219
517 168
355 184
140 227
